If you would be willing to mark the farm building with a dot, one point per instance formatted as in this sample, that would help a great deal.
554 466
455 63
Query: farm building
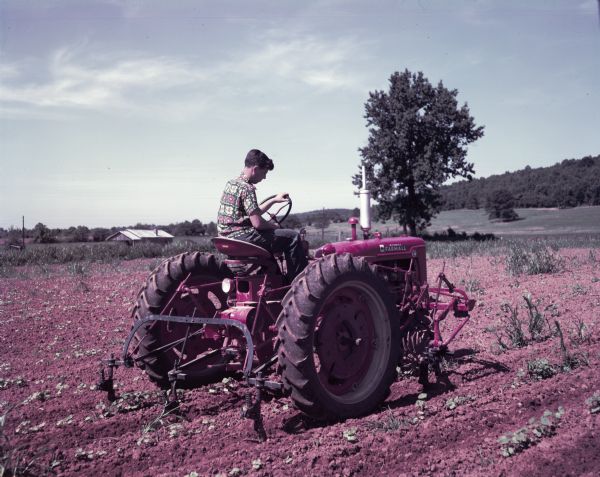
132 236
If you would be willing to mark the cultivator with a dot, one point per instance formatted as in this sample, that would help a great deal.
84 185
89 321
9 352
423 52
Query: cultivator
331 340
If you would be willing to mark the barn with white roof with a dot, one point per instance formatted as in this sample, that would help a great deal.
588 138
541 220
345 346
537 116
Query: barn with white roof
133 236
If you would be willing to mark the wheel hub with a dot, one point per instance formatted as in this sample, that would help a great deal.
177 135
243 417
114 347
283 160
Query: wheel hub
344 339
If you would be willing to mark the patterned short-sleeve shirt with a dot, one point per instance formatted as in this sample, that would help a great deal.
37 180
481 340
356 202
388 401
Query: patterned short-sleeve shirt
237 203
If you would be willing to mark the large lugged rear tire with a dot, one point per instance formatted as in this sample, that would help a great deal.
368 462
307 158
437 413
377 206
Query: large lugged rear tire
339 338
153 298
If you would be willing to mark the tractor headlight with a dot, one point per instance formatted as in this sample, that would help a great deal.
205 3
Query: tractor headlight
227 285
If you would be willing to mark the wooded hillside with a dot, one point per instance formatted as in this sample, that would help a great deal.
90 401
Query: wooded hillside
569 183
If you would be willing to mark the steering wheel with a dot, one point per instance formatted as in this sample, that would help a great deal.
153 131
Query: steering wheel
283 211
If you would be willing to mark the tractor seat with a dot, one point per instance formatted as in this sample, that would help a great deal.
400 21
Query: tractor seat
238 249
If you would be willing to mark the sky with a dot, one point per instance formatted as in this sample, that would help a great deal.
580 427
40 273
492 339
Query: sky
116 112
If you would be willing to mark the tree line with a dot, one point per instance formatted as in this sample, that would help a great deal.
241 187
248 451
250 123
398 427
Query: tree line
320 219
40 233
570 183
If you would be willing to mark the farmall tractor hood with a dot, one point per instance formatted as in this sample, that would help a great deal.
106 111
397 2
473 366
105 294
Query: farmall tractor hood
377 250
375 247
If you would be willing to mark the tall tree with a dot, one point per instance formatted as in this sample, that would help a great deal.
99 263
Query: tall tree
99 234
42 234
418 137
81 234
500 205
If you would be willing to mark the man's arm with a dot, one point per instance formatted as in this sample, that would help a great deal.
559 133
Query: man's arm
281 197
261 224
251 204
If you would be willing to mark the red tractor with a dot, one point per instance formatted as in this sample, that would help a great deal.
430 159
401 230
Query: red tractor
332 340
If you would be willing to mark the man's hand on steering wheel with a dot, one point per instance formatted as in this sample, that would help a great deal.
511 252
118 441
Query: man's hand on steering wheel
281 197
281 214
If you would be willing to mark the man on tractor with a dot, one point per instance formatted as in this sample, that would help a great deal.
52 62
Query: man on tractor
240 215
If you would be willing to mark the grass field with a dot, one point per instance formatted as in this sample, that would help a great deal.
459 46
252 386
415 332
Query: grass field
579 220
101 252
533 222
568 228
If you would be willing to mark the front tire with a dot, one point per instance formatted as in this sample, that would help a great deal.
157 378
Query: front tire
339 338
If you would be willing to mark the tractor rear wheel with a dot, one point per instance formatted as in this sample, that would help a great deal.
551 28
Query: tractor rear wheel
159 296
339 338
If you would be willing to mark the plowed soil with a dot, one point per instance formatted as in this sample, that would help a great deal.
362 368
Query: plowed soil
56 324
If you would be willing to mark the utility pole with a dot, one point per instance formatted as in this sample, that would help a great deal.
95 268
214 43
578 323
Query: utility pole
23 231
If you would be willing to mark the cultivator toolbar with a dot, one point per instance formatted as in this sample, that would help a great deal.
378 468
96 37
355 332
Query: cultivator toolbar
178 377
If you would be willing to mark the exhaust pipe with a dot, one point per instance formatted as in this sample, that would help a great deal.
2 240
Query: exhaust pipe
365 205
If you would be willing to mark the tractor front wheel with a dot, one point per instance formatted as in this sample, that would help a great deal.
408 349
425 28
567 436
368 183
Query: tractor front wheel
339 338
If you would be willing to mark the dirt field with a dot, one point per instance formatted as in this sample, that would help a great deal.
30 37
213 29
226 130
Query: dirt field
55 328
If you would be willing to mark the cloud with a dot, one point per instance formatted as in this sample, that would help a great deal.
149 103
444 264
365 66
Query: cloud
18 112
8 71
589 6
128 8
71 79
481 14
302 60
96 84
